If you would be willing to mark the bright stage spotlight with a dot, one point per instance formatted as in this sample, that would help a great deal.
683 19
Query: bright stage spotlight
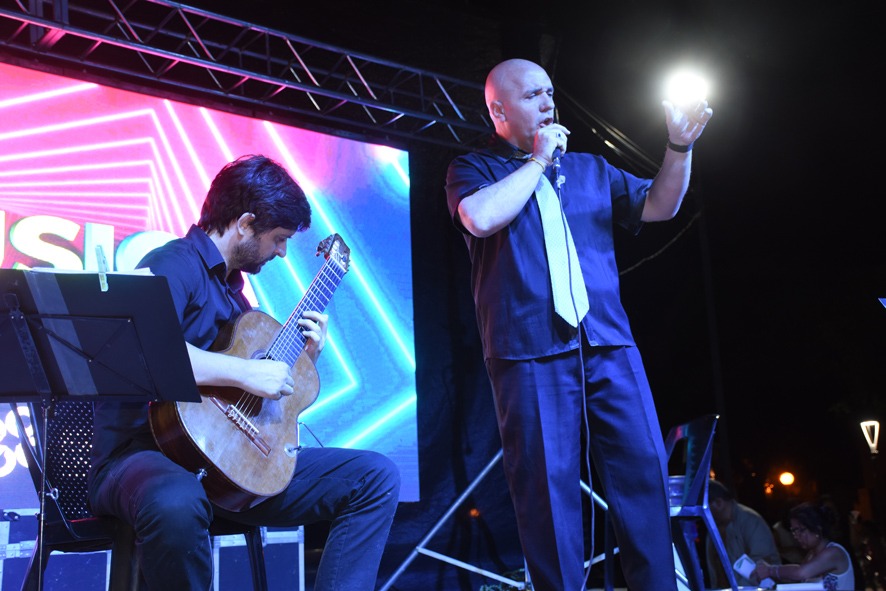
685 88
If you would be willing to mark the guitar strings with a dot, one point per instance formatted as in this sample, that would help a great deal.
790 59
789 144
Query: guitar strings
290 341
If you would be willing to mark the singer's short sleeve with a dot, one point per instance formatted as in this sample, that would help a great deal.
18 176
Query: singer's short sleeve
628 198
466 175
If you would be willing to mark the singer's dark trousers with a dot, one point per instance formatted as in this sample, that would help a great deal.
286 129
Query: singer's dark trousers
539 405
357 491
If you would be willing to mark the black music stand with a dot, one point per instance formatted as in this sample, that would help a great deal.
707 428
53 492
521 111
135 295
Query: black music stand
79 334
89 335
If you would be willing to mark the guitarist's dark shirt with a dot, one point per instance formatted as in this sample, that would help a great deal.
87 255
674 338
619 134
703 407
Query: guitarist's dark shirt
205 302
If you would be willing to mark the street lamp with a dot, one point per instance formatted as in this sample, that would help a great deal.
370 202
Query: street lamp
871 431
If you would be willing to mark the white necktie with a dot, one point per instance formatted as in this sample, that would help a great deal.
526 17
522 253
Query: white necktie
562 258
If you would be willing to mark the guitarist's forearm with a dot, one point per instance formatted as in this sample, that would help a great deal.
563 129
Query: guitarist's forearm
214 369
263 377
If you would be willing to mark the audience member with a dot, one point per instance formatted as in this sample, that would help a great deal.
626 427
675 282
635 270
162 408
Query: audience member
743 530
825 560
788 547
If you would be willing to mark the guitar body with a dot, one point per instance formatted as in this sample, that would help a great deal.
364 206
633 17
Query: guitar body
243 446
247 445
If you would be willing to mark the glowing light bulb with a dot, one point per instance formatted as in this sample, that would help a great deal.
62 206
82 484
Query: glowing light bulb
686 88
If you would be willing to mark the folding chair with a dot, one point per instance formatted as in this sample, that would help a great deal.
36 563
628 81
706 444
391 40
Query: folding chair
65 524
689 496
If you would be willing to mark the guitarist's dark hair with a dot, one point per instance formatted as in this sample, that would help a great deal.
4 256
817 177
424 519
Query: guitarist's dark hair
255 184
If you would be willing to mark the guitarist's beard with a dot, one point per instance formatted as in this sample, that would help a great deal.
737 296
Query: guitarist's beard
247 257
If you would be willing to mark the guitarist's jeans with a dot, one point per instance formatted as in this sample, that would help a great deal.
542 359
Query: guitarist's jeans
355 490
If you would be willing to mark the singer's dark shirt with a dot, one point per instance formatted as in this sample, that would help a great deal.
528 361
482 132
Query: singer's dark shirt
205 301
509 275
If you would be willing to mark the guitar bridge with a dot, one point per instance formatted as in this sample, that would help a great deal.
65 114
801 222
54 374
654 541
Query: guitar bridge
242 422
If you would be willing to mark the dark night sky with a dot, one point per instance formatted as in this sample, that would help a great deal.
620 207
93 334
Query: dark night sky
765 307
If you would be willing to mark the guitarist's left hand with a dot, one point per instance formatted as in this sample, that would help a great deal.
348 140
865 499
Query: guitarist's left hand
314 328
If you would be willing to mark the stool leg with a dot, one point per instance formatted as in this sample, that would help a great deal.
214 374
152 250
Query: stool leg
256 559
124 560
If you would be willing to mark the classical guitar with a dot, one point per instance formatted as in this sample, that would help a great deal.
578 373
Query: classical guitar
243 446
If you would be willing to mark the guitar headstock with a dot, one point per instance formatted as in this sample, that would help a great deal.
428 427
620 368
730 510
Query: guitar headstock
333 247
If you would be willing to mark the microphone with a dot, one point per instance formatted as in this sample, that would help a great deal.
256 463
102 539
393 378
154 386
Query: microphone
555 165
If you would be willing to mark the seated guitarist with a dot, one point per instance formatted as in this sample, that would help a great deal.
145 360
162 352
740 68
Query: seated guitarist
252 209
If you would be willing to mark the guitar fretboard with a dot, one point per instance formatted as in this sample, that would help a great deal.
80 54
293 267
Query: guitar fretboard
290 342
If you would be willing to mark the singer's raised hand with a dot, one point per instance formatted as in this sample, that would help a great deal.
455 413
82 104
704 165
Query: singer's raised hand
685 124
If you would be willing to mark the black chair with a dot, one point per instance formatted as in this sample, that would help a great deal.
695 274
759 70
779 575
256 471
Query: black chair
65 524
689 496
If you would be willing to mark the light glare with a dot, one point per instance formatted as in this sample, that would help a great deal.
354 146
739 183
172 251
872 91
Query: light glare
686 88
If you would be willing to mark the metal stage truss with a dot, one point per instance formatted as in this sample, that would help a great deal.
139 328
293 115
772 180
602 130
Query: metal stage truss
189 52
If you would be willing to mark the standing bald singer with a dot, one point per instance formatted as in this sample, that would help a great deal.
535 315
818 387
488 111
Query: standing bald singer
561 367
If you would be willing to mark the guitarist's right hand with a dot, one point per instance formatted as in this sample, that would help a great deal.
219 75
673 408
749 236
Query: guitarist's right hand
268 378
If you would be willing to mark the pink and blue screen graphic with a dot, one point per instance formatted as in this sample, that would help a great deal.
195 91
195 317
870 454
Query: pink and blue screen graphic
84 165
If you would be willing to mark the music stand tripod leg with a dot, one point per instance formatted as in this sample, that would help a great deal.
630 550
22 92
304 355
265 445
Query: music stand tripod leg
42 388
420 548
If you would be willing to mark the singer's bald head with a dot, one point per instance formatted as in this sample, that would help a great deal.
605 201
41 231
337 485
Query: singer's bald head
519 95
506 76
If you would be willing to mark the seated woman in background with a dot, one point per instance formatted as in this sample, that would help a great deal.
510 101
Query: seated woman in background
825 560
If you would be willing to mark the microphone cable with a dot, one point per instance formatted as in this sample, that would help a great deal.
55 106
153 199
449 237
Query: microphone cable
559 181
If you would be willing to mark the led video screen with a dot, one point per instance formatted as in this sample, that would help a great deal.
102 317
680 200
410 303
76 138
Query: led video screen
84 165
